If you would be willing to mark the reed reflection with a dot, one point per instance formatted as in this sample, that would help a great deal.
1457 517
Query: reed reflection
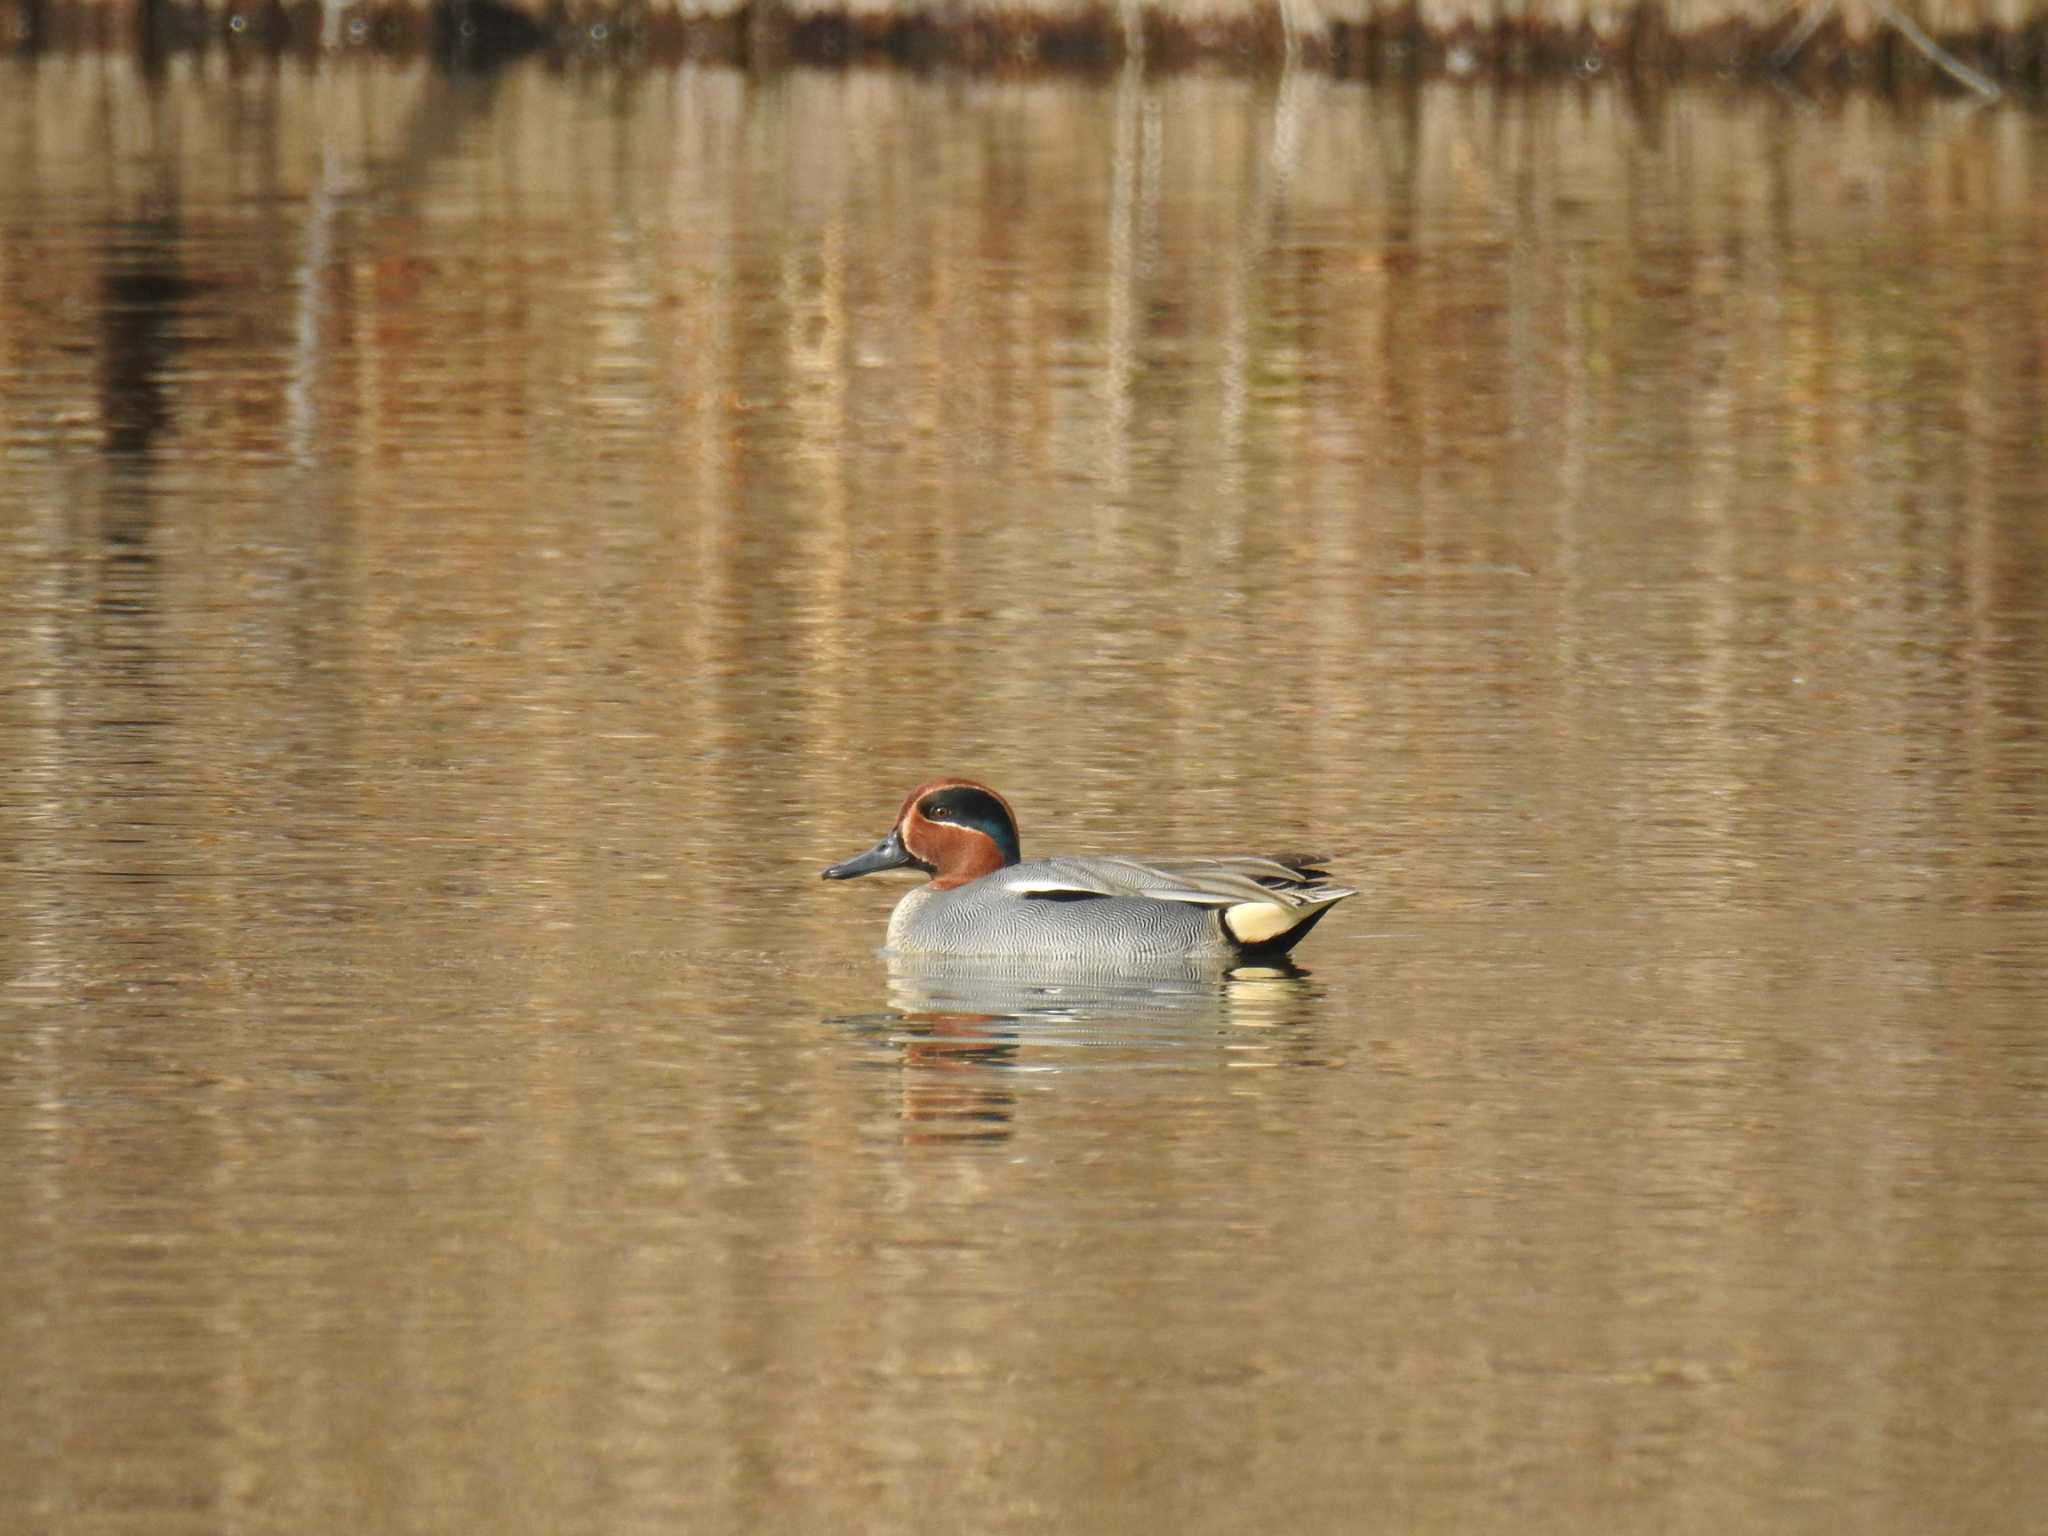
144 293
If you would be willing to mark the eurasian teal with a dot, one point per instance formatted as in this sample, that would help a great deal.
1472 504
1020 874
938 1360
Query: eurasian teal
984 899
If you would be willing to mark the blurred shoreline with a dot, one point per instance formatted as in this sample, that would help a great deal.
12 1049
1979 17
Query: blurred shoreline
1972 46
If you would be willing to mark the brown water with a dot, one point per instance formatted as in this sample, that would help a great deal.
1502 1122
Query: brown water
472 554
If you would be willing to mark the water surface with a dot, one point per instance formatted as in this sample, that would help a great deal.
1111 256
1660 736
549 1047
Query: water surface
472 552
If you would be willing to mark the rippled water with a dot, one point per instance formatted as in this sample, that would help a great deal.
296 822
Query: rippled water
473 552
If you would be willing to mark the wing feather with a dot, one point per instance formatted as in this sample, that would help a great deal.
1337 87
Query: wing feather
1213 882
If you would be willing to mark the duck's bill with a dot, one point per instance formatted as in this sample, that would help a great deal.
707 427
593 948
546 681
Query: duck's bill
889 853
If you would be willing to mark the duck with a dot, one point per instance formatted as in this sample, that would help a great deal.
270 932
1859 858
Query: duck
985 899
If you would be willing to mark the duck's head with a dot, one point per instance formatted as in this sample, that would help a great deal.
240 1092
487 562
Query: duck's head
955 830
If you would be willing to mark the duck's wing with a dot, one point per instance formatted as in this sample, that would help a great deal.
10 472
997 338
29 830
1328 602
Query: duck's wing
1217 882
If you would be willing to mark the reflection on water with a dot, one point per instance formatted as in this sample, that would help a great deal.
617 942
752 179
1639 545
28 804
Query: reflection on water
1178 988
956 1028
472 552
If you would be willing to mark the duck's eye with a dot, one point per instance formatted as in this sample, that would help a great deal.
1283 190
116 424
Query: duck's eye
938 813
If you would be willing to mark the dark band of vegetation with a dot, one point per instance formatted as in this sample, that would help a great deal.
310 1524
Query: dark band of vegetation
1977 46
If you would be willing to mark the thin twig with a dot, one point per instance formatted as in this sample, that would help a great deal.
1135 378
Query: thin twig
1132 19
1802 34
1954 67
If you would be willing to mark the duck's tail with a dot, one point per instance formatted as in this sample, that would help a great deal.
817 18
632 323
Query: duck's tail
1276 926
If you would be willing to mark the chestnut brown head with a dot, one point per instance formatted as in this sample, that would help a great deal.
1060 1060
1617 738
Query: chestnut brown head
954 829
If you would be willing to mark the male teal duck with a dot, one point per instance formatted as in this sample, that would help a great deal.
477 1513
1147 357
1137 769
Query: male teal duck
985 899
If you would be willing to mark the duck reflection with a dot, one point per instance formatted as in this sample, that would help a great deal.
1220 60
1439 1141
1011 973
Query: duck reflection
964 1033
